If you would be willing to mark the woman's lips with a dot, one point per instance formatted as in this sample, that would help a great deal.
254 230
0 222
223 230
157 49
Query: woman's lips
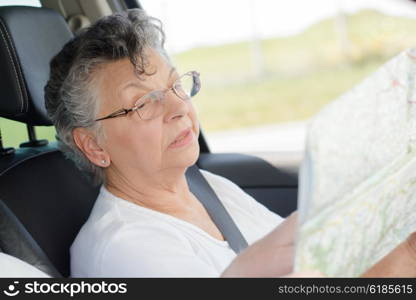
183 139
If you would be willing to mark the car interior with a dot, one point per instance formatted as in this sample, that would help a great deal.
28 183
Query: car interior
44 198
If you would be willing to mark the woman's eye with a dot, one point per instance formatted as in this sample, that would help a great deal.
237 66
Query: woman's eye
143 101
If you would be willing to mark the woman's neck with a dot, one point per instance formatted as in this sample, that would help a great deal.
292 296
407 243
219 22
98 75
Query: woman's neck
165 191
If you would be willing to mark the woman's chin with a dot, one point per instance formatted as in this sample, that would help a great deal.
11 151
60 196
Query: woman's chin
191 156
186 158
185 153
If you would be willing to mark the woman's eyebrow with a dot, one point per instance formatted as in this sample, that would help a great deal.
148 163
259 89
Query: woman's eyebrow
137 85
134 84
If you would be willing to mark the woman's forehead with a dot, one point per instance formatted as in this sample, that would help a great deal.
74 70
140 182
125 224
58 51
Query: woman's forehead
121 74
149 81
119 81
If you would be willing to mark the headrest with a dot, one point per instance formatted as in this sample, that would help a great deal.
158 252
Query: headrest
29 38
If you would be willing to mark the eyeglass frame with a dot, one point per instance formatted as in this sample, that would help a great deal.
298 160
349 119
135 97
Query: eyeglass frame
124 111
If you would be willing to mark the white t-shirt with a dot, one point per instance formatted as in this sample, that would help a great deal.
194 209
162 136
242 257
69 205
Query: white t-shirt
13 267
122 239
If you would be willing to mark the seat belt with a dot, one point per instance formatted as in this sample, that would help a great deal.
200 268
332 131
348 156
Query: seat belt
200 187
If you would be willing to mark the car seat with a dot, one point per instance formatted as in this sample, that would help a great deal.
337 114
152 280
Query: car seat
47 194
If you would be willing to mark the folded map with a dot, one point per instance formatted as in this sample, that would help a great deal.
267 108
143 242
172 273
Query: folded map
357 183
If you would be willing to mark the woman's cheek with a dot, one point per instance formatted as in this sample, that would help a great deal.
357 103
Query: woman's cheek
194 119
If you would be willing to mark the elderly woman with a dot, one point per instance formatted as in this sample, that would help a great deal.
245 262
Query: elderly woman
124 115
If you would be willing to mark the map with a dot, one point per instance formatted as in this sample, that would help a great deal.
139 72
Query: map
357 183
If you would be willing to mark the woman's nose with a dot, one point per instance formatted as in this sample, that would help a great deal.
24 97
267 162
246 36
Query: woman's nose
174 106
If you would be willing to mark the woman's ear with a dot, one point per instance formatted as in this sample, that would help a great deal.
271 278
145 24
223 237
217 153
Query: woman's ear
87 143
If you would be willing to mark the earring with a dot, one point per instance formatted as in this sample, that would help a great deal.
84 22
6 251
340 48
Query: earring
103 161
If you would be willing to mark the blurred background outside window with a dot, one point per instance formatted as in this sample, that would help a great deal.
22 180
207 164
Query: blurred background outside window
268 66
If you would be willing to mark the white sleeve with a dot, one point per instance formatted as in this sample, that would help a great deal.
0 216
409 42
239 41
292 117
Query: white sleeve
155 251
228 188
14 267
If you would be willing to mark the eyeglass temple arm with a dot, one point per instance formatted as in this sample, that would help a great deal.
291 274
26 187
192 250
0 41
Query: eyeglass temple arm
116 114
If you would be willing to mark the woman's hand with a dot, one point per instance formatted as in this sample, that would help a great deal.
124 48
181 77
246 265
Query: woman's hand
401 262
271 256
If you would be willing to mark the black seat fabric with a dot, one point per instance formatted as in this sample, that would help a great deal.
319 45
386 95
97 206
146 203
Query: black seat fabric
47 194
15 240
52 200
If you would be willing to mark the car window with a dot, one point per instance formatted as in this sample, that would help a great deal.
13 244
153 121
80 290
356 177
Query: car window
268 66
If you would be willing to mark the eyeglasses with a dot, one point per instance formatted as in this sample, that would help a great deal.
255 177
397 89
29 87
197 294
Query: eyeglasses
152 105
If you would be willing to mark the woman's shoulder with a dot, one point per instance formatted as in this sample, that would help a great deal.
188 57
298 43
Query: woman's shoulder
114 217
247 212
112 231
220 183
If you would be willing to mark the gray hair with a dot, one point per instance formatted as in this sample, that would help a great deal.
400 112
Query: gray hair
71 99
